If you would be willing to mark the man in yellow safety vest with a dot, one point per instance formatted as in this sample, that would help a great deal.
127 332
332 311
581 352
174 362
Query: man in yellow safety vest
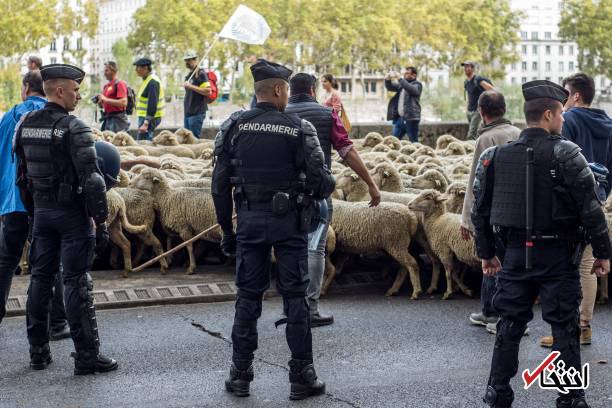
149 100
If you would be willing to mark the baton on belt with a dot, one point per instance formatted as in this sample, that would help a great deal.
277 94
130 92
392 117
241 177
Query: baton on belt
529 211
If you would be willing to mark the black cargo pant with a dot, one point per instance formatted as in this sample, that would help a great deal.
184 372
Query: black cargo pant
258 232
13 235
66 236
557 282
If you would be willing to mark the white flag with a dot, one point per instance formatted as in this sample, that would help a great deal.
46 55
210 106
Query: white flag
246 26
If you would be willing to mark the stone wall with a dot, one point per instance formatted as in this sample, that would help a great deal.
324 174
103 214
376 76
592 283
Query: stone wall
428 131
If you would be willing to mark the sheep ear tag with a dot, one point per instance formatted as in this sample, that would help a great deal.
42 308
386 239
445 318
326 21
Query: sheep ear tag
438 184
386 173
123 143
355 177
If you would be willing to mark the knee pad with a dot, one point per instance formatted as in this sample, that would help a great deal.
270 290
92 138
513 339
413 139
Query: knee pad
498 399
248 309
509 333
85 288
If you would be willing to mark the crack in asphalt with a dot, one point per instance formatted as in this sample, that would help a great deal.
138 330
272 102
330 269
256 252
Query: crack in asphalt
220 336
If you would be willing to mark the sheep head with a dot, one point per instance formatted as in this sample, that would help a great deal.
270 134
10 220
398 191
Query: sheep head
372 139
387 178
149 180
431 179
444 140
350 187
428 202
166 138
403 159
408 149
123 139
393 142
423 151
454 149
185 136
381 148
409 169
207 154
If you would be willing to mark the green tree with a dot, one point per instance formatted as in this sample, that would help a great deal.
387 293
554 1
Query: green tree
124 59
10 86
589 24
21 28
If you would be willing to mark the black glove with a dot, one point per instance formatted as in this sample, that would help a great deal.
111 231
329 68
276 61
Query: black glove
228 244
102 238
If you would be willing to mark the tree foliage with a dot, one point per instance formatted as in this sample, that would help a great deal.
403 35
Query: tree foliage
589 24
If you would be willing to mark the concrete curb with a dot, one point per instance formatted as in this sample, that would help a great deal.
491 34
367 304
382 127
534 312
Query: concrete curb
196 293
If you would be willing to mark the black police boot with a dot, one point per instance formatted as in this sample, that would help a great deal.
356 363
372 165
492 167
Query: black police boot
303 378
239 381
496 399
317 320
40 357
572 401
91 361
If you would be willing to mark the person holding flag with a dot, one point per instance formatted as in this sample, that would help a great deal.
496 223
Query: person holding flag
197 90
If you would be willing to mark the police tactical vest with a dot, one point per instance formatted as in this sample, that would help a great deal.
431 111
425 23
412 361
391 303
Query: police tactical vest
264 147
508 208
44 137
142 102
307 108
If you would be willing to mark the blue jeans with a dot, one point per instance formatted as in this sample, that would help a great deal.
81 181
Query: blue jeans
149 134
410 127
194 124
316 265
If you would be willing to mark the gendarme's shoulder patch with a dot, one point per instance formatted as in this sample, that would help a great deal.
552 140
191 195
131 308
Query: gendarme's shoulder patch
41 133
268 128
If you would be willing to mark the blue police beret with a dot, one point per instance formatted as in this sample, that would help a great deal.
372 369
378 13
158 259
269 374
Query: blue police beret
544 89
61 71
263 69
142 62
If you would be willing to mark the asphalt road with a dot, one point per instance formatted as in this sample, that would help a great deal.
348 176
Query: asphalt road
380 353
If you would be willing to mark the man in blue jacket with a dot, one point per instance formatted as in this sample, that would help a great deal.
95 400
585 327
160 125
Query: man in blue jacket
591 129
14 225
405 107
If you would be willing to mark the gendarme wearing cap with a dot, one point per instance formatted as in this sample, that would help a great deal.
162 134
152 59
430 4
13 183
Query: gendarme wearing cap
544 89
263 69
62 71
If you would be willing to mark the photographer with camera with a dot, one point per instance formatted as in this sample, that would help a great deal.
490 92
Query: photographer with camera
113 100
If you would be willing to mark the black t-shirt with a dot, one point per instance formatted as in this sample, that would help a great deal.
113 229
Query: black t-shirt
474 90
194 102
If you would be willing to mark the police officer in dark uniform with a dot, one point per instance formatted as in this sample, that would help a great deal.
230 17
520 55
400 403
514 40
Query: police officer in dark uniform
61 183
538 195
275 165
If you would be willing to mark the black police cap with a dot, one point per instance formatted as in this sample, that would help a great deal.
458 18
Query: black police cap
62 71
263 69
544 89
141 62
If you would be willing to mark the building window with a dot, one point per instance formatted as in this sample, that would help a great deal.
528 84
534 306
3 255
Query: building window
534 35
534 66
347 69
524 35
534 49
79 43
53 46
547 78
524 65
513 80
53 60
524 49
571 50
602 81
571 66
513 67
547 35
548 50
346 86
373 86
535 78
561 67
523 80
547 66
66 44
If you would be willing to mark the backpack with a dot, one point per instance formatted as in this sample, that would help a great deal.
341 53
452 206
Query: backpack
131 98
214 89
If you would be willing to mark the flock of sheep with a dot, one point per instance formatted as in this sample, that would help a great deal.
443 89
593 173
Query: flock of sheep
166 183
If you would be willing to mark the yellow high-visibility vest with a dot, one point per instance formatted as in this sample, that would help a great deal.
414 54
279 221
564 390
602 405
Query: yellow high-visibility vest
142 102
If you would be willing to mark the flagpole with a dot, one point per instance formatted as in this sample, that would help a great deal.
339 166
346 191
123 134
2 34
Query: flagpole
204 57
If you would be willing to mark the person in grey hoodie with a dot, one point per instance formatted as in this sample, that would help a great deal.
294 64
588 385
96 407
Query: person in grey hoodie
496 130
591 129
405 107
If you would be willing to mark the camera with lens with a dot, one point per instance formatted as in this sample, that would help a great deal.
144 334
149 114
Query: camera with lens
95 99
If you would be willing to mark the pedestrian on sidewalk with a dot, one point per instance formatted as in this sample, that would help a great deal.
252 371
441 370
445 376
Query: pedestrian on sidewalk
474 85
113 100
150 101
404 108
197 90
496 131
591 130
14 224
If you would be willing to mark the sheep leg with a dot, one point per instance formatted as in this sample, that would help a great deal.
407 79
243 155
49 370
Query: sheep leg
192 261
113 260
117 237
150 239
332 270
458 278
140 247
448 268
409 264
